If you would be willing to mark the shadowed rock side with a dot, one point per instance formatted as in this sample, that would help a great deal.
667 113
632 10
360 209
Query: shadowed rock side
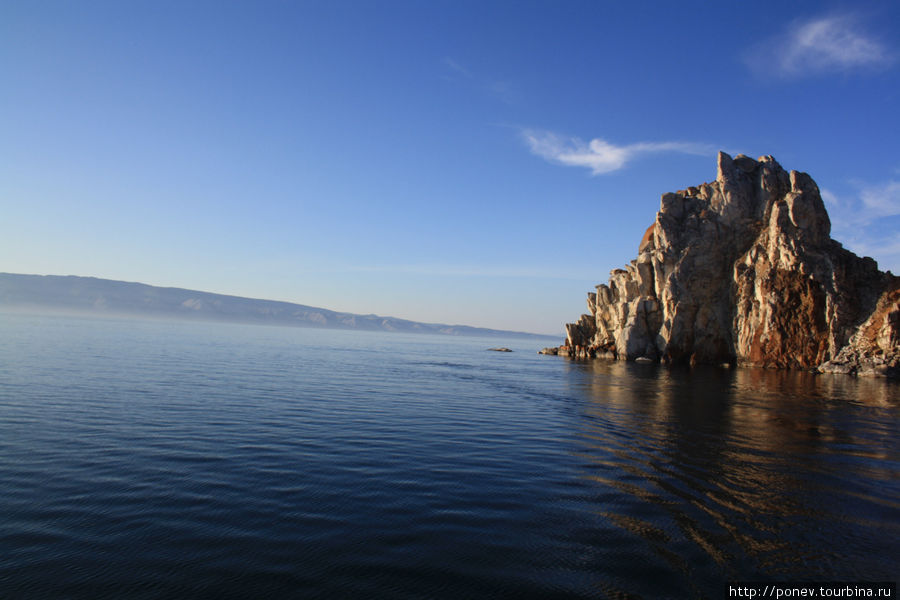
743 270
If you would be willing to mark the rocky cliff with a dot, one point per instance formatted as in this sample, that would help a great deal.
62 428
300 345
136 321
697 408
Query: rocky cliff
743 270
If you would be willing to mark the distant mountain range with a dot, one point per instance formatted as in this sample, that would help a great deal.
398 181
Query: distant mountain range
109 297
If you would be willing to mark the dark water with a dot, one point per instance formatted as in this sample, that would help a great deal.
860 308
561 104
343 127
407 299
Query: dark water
163 460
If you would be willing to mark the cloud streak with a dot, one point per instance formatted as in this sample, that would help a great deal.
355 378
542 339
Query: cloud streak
881 200
498 89
867 221
836 43
469 270
457 68
598 155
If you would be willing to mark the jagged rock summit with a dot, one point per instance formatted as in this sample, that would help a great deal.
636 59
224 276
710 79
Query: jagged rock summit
743 271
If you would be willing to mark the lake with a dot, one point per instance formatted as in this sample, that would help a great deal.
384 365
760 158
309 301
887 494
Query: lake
143 459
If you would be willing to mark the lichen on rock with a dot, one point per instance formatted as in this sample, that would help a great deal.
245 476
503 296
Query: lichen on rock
743 270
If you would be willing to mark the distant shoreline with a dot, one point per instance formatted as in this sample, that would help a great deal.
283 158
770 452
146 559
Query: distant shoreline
75 295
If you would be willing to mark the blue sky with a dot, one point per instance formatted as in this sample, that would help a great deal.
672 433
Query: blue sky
482 163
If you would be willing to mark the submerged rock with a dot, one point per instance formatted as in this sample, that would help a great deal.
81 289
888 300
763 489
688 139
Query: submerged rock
499 350
743 270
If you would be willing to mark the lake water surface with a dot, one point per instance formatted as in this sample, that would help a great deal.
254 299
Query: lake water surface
144 459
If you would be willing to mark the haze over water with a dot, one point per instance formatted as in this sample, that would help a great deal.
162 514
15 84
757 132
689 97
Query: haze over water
147 459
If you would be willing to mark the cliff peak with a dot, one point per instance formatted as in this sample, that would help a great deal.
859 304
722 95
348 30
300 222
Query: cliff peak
743 270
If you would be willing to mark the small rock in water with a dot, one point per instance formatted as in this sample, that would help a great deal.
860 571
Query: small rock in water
500 349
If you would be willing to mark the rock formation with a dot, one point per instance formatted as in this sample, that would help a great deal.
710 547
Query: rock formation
743 271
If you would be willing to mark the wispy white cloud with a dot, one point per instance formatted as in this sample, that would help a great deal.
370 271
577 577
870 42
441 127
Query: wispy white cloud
469 270
835 43
498 89
881 200
503 91
870 202
598 155
831 199
867 221
885 249
457 68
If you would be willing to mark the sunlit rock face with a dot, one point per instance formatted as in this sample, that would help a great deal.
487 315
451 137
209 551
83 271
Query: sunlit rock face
743 270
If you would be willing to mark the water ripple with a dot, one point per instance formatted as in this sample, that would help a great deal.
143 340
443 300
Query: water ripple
148 460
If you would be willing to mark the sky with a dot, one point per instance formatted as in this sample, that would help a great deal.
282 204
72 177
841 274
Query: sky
462 162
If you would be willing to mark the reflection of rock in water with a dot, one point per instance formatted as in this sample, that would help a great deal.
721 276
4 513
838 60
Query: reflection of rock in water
743 270
746 467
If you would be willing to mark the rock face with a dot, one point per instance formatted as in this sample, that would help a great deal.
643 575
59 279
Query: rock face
743 270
